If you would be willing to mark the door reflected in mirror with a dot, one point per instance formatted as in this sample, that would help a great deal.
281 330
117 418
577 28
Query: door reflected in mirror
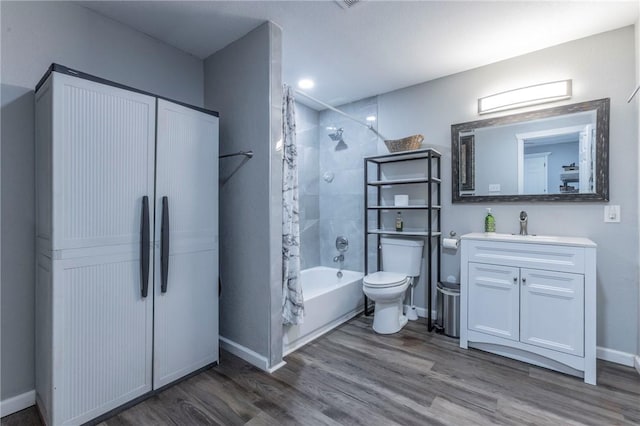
553 154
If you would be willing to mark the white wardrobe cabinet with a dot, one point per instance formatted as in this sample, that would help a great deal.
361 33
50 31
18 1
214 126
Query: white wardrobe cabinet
531 298
127 240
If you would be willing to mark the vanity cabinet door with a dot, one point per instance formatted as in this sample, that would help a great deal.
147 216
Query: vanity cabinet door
494 300
552 310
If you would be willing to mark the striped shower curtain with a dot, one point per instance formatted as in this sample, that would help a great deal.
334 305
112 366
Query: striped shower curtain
292 302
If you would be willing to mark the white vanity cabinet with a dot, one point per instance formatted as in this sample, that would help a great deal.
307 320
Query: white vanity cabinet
531 298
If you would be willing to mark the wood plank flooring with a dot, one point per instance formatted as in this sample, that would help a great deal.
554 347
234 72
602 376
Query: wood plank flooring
352 376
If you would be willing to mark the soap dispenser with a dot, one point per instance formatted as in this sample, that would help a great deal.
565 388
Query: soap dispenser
489 222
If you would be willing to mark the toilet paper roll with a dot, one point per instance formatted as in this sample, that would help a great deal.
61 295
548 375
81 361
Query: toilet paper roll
450 243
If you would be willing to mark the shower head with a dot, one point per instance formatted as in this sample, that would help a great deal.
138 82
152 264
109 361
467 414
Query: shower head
340 146
336 136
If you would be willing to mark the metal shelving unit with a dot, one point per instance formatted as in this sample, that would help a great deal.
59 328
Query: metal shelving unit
432 234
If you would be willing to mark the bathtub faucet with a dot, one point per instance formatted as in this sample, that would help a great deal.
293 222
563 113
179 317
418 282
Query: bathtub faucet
339 258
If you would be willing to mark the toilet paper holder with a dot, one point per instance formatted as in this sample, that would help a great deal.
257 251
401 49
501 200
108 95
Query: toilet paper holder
452 242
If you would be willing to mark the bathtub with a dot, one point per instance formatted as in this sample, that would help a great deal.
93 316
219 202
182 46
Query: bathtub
328 302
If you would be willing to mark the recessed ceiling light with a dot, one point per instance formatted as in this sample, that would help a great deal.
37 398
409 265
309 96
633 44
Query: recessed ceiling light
371 118
306 83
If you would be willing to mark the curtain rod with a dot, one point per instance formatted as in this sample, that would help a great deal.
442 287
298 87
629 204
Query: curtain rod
326 105
633 94
247 154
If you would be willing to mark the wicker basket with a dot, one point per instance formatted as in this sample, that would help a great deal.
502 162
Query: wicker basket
409 143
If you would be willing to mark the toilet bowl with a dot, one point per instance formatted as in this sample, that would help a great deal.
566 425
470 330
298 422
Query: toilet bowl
401 259
387 290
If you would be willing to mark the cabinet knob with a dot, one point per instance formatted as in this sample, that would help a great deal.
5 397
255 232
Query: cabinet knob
524 281
515 280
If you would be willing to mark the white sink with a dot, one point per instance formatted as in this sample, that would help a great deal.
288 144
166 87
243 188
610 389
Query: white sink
534 237
549 239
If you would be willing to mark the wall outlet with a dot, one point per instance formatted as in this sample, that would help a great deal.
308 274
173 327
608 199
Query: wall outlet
612 214
494 187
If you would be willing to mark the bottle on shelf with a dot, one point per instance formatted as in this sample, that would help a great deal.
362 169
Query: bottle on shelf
489 222
399 222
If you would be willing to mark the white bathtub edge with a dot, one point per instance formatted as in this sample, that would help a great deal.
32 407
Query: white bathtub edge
321 331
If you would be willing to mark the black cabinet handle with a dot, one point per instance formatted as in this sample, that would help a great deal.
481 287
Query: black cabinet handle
164 246
144 247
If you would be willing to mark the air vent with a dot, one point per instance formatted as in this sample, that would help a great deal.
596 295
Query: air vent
347 4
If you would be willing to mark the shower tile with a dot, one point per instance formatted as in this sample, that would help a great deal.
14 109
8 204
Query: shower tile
308 170
311 206
342 207
349 182
309 248
341 202
306 118
329 230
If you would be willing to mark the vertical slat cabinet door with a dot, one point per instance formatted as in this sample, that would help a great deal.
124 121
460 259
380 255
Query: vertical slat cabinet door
552 310
494 300
103 153
103 164
102 336
186 242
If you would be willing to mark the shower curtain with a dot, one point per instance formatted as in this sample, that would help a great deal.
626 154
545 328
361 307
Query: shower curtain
292 302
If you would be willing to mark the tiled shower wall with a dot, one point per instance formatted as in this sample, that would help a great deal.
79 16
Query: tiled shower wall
308 190
331 182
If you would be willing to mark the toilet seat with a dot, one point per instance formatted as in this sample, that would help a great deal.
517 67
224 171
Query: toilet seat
383 279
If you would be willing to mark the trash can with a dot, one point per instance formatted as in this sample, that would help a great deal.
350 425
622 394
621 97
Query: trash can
448 302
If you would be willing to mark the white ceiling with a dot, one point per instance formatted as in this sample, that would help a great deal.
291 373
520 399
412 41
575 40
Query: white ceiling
375 46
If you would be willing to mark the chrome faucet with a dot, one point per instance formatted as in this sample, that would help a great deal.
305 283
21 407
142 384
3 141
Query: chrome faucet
523 223
342 245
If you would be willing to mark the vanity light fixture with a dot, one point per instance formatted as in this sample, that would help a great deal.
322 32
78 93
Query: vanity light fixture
525 96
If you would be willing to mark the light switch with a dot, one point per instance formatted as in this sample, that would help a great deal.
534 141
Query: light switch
494 187
612 214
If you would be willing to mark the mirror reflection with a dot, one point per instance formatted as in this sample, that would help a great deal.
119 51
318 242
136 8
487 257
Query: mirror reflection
558 153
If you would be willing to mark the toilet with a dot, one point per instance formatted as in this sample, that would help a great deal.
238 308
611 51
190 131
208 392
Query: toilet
401 260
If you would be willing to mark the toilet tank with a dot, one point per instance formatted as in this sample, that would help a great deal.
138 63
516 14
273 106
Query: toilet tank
401 255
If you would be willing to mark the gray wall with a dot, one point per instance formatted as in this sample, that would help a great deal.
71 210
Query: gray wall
35 34
240 82
496 160
600 66
561 154
636 103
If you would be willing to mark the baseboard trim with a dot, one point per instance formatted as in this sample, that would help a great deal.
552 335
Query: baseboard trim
17 403
606 354
252 357
615 356
276 367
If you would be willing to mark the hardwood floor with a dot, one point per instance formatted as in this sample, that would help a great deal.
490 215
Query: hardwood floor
352 376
